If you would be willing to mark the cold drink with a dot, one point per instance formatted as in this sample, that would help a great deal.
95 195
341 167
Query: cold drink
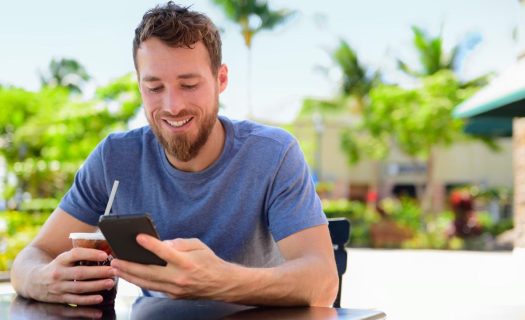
97 241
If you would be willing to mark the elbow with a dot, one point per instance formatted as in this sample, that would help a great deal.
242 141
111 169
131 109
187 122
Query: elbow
328 293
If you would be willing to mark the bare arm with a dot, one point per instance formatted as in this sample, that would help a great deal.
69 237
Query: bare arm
45 270
307 277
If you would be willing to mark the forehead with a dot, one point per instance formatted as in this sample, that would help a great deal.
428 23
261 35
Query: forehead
156 59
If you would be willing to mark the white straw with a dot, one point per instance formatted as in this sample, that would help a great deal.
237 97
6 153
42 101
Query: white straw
111 197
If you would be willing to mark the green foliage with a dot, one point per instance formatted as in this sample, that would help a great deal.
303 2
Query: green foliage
500 226
253 16
65 73
435 233
416 120
356 84
360 216
433 58
427 231
46 135
357 81
404 211
17 229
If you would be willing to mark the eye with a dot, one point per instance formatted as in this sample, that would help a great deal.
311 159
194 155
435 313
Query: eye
155 89
188 86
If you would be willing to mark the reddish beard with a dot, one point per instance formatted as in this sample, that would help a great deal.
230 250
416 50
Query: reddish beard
182 146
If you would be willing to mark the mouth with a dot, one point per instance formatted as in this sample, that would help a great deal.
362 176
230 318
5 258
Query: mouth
178 124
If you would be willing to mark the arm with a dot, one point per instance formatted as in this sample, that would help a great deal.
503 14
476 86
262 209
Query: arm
45 270
307 277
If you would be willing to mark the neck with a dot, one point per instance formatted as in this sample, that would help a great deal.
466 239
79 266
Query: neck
209 153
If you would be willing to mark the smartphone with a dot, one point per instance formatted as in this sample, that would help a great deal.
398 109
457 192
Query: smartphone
121 232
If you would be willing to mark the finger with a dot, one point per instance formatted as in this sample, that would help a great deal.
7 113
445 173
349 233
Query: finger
79 254
150 284
140 273
88 273
87 286
186 244
161 249
136 269
80 300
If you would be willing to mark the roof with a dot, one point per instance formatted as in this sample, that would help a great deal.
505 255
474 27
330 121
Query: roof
504 96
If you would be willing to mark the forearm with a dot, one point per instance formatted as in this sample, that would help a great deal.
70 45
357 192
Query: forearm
304 281
24 270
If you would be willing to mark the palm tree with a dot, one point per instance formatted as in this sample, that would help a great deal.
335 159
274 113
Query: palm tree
432 59
67 73
357 81
252 16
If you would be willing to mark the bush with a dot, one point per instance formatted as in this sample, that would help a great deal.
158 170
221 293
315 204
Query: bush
17 229
432 231
360 216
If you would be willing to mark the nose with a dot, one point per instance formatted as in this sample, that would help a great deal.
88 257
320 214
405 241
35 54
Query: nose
173 101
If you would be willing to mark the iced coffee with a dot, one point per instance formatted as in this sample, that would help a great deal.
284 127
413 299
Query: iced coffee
97 241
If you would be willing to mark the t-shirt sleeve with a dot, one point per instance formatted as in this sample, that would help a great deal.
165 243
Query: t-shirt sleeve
293 203
86 199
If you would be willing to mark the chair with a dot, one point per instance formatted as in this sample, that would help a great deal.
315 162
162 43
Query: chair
340 233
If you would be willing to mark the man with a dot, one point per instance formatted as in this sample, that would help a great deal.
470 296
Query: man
232 201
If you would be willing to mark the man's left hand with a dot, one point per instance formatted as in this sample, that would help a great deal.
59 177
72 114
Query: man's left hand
193 269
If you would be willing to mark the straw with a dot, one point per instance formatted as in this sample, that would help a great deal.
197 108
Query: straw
111 197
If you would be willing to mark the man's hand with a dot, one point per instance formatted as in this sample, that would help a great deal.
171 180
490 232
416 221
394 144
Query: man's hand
307 277
193 270
63 282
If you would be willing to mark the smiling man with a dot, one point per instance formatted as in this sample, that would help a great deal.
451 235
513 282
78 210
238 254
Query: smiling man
233 201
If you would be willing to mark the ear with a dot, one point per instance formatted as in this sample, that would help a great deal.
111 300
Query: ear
222 77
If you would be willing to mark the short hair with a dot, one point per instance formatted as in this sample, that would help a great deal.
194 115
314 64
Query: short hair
178 27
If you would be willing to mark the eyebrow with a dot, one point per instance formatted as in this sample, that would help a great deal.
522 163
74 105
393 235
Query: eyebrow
182 76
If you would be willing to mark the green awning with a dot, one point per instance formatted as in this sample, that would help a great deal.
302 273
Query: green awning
489 126
504 97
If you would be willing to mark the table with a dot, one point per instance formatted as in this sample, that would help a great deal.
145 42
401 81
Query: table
127 307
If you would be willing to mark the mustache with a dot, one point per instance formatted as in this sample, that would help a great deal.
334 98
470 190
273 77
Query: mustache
182 113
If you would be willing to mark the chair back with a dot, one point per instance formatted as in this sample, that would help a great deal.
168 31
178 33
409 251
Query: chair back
340 234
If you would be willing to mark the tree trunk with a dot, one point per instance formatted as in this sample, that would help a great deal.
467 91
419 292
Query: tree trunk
428 196
519 181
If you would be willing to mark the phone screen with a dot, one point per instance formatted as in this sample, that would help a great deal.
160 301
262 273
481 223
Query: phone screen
121 232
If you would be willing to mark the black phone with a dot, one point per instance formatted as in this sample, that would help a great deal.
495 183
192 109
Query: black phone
121 232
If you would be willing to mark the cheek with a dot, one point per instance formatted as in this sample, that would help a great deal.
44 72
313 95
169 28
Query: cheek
150 102
202 97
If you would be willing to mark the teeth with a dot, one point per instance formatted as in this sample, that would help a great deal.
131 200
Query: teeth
177 124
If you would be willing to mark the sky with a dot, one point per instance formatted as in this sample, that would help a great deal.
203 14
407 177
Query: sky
285 61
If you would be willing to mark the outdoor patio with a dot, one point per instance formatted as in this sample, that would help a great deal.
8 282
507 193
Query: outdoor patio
409 284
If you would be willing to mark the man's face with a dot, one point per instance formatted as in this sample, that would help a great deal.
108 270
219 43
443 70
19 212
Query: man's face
180 95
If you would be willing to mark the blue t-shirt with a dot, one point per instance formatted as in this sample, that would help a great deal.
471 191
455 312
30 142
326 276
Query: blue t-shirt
258 192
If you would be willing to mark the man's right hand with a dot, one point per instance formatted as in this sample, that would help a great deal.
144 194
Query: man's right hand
62 281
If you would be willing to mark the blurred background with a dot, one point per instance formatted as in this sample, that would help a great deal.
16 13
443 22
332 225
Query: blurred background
408 113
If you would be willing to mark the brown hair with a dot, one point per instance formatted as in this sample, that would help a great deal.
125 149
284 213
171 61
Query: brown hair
176 26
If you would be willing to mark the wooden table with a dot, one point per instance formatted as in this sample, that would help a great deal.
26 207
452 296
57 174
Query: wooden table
14 307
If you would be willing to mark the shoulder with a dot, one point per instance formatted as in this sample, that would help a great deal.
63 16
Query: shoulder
249 131
135 136
128 142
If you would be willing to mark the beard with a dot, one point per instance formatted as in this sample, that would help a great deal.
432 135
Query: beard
182 146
